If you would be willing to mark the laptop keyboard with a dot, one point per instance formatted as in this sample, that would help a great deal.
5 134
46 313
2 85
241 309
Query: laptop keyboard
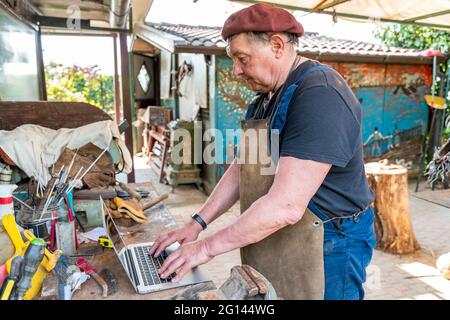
149 266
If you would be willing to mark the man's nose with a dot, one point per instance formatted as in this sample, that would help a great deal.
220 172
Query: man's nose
237 71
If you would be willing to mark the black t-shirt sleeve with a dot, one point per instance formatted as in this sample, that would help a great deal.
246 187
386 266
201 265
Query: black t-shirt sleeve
320 127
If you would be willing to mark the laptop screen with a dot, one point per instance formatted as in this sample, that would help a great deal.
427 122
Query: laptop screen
116 238
111 230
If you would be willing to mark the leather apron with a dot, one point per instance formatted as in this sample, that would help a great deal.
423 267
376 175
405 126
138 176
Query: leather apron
291 258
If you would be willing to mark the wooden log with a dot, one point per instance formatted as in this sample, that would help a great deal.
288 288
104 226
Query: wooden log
393 225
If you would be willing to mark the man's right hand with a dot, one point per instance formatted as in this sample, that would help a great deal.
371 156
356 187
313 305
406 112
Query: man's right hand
187 233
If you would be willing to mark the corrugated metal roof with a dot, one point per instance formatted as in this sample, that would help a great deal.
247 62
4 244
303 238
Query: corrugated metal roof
312 44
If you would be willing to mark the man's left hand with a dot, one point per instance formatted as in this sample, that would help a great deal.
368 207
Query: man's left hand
184 259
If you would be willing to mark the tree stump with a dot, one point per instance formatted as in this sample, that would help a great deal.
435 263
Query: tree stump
393 225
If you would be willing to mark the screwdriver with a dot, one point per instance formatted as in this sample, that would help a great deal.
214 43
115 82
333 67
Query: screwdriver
13 277
32 259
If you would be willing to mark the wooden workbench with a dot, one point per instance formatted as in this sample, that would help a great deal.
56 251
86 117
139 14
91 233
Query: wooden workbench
160 220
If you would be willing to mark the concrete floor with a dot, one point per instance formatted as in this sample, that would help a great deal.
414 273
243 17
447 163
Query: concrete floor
390 277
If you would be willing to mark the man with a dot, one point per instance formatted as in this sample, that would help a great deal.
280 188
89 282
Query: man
309 227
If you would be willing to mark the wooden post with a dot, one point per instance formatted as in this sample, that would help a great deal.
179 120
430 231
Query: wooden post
393 225
126 98
117 102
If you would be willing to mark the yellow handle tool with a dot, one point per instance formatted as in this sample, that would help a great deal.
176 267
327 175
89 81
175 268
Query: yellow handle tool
9 223
47 264
8 289
50 259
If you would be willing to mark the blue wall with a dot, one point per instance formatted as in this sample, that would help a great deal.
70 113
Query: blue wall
383 109
382 106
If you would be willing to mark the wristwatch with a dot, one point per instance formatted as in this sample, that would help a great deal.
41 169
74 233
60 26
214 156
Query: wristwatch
199 219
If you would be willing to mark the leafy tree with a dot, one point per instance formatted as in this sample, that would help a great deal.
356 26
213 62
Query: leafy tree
412 36
416 37
82 84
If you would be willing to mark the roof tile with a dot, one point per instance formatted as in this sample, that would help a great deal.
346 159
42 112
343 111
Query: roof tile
311 42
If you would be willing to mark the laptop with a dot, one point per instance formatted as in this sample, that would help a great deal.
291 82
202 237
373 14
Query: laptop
141 268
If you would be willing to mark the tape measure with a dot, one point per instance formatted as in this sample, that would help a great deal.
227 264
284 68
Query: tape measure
104 242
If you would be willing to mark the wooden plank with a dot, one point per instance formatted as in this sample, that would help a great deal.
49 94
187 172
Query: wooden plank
53 115
126 97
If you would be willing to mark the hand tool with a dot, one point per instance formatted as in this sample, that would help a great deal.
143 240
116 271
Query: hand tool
89 270
64 271
131 192
152 203
104 242
32 259
50 259
53 235
21 202
110 280
47 265
6 291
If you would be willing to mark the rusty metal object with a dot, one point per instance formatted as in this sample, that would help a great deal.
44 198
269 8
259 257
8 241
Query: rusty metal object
244 283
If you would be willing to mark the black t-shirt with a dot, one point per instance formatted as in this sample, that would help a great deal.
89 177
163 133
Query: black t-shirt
324 124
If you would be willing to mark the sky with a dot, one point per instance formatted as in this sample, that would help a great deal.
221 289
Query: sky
80 50
88 50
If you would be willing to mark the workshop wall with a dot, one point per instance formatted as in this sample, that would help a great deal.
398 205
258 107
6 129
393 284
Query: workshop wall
391 98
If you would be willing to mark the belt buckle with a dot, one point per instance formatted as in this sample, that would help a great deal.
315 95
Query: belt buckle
356 217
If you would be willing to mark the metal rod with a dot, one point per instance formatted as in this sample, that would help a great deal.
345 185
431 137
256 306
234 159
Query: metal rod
70 166
70 184
17 199
75 180
89 168
47 200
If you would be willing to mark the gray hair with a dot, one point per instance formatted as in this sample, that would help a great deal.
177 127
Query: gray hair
265 37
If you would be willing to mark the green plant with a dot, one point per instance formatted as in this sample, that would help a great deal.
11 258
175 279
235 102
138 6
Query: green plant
82 84
419 37
412 36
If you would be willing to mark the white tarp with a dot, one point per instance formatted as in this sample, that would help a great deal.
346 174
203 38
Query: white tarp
34 148
429 12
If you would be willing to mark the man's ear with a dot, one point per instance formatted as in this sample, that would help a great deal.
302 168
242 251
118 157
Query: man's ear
278 45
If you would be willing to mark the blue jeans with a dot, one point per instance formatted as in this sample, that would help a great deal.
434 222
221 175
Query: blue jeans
347 250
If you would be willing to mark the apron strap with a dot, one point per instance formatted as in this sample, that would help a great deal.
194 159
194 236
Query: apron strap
250 111
279 119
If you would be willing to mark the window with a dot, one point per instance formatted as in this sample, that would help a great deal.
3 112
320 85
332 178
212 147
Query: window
18 61
144 78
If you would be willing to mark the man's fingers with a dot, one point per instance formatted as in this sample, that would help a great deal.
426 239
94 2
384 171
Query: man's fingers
173 256
157 243
153 248
163 245
173 266
182 272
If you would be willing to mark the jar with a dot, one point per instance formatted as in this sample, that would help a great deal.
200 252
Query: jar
31 219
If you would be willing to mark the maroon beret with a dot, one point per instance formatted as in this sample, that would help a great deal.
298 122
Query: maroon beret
261 18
